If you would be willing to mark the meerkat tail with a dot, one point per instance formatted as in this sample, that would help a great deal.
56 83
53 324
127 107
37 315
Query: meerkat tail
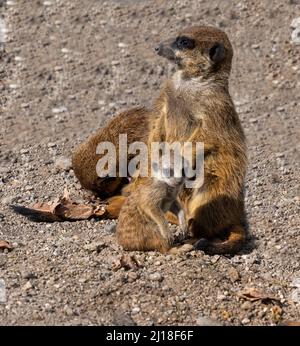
231 245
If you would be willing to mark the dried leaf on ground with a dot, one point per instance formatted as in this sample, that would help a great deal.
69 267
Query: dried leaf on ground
5 245
62 209
127 262
254 294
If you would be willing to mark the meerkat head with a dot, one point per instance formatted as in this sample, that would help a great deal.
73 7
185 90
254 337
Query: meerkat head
199 51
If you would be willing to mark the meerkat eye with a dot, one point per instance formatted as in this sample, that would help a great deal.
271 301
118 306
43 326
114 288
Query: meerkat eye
185 43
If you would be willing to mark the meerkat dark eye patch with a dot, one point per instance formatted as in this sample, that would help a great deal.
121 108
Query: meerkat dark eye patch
184 42
217 52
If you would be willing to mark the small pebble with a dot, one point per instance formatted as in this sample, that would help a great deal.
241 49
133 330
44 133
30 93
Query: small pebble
110 228
27 286
206 321
156 277
233 274
123 319
8 200
68 311
247 306
122 45
28 275
296 282
296 36
132 276
295 23
63 163
245 321
95 246
135 310
13 86
59 110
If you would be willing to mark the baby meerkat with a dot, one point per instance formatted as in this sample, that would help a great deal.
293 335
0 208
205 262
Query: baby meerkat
142 223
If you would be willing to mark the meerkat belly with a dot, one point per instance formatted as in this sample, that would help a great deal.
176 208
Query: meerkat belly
180 126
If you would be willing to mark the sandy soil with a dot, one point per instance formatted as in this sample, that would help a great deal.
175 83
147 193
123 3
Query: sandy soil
69 66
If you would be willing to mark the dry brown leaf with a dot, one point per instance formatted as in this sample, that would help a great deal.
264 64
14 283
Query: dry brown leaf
5 245
127 262
253 294
61 209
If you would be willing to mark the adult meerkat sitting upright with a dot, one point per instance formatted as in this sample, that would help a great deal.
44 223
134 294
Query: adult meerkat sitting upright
193 106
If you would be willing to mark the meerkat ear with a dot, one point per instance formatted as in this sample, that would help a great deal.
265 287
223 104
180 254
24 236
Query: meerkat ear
217 52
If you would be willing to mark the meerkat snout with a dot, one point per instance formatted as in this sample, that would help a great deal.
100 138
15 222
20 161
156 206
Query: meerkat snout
166 50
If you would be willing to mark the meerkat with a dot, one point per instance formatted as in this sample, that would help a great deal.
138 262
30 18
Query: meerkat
134 123
142 224
194 105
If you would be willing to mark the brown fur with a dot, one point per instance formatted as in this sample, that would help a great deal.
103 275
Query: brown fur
142 224
134 123
197 99
194 105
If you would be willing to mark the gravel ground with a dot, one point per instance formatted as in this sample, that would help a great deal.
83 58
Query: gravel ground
66 68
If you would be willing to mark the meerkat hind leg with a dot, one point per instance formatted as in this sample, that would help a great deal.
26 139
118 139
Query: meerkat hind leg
158 217
114 206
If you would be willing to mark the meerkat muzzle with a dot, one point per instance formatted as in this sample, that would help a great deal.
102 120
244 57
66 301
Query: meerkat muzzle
165 50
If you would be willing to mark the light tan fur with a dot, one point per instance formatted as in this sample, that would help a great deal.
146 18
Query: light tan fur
142 224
